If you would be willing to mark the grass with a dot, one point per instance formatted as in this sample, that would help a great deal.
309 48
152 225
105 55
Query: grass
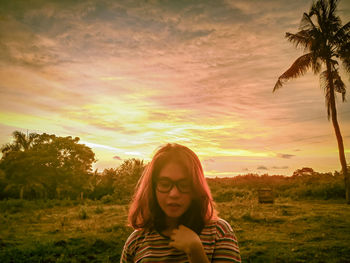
71 231
291 231
88 233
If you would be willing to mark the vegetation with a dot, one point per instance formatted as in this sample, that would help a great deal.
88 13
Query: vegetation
305 184
38 166
327 43
116 185
43 217
44 166
286 231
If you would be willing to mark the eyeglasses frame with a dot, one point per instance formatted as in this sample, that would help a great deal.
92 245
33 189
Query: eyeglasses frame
173 183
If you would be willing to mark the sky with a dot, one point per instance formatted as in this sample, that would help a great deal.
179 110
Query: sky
129 76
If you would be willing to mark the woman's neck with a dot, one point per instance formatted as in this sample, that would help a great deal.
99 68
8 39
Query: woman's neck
171 223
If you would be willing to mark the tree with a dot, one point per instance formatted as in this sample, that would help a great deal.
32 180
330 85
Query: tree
101 184
128 174
304 171
326 42
48 166
21 142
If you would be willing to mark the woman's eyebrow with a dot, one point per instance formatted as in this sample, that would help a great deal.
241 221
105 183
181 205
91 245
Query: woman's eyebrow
164 177
168 178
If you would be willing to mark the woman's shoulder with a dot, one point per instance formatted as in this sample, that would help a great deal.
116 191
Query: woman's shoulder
219 222
220 226
223 225
135 236
133 243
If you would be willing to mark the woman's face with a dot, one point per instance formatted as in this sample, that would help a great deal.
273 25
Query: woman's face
173 190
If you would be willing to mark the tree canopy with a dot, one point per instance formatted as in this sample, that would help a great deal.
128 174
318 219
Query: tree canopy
39 165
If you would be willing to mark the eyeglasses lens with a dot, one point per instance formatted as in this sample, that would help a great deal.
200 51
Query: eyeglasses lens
165 186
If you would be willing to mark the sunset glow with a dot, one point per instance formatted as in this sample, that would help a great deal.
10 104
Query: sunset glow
128 76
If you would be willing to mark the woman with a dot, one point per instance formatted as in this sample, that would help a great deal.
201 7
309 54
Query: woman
174 215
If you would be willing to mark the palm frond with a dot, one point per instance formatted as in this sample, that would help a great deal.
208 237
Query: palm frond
316 63
332 8
298 68
7 148
345 28
316 10
306 22
339 85
302 38
334 64
342 36
18 135
326 16
323 8
32 136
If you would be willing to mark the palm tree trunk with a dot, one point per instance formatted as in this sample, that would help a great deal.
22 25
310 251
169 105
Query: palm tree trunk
338 135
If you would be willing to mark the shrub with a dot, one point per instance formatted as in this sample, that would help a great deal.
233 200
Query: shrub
99 210
223 196
82 213
231 194
107 199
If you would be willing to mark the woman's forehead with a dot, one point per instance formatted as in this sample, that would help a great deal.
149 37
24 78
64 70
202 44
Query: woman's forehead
173 171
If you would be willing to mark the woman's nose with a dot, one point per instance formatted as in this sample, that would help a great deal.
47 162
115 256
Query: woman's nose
174 191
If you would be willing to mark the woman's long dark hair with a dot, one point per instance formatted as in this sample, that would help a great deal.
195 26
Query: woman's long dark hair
145 212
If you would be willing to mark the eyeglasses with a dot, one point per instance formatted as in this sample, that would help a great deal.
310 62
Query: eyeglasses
164 185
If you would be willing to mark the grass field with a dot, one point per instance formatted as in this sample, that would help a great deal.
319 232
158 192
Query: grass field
90 231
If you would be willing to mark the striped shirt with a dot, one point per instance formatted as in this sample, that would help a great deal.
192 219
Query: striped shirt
218 239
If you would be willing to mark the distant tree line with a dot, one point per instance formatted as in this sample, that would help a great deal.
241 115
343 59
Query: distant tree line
305 183
36 166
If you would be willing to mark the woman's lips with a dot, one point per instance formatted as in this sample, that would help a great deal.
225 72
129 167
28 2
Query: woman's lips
174 205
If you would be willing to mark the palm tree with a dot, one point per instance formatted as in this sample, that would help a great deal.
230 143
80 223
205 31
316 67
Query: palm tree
21 142
326 42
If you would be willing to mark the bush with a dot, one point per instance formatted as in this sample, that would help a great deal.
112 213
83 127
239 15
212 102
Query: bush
82 213
99 210
223 196
330 188
107 199
231 194
13 206
322 186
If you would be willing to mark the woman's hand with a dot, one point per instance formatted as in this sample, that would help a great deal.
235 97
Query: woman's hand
186 240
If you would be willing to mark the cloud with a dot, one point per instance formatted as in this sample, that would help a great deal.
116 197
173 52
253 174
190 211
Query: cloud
280 167
285 156
135 74
262 168
117 158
